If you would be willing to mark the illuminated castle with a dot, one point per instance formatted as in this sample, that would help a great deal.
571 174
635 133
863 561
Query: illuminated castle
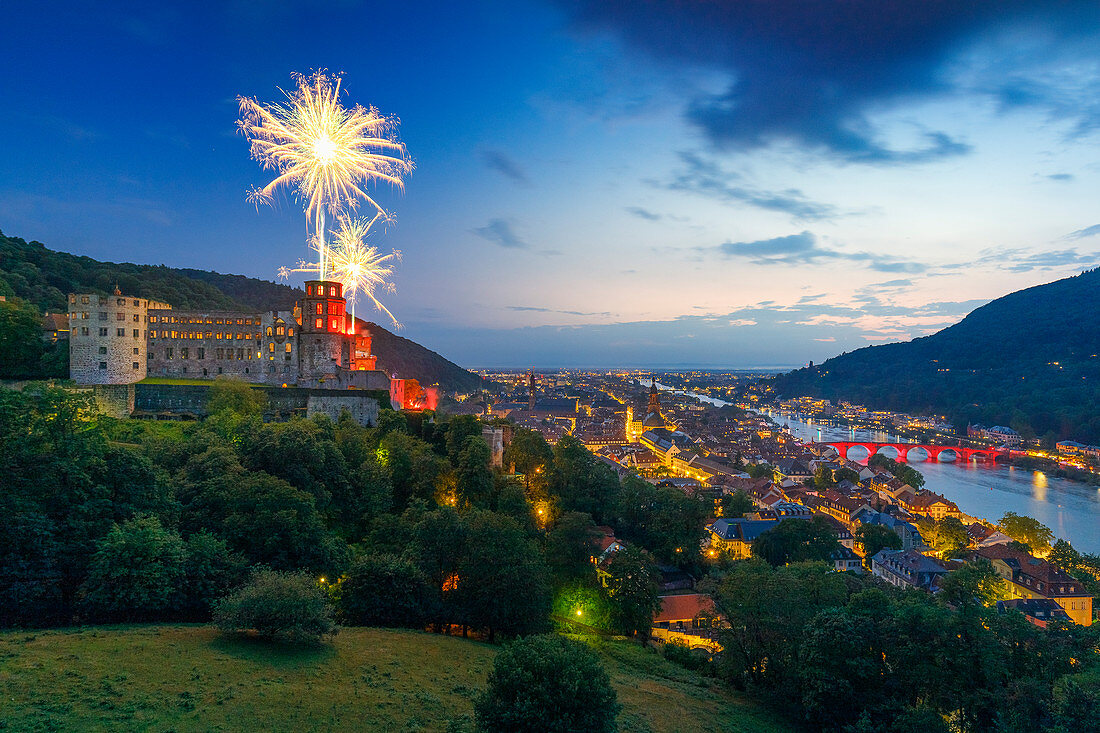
122 339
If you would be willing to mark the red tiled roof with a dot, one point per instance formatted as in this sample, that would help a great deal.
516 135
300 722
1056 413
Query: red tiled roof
683 607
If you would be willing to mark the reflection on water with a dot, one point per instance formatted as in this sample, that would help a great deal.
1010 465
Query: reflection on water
981 489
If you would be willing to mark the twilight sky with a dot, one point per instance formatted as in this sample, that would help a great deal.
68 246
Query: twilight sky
598 183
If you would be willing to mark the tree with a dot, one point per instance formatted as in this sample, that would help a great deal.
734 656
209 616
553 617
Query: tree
823 477
633 585
528 452
662 519
547 684
235 396
948 535
136 572
210 572
582 484
570 545
460 429
291 606
474 480
30 582
1027 530
383 590
21 344
975 582
875 537
502 583
796 540
736 504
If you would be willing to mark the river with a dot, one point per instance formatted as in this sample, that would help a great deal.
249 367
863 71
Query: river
1070 508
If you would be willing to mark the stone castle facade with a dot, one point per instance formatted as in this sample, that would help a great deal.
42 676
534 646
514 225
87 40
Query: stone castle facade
122 340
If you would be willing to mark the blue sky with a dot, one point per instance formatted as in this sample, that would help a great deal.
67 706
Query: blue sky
603 183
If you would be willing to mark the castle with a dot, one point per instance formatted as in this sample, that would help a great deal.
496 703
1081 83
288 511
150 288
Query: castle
121 340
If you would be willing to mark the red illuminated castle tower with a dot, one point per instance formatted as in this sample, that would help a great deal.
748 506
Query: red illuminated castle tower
324 344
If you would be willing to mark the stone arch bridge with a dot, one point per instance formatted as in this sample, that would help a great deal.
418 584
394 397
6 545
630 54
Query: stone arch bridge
933 452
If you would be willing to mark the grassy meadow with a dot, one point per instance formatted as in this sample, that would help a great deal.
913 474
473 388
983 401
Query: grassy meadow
188 678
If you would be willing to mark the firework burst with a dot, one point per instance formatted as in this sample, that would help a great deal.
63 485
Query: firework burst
350 260
325 152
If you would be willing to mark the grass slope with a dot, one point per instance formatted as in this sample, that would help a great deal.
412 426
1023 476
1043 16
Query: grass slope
187 678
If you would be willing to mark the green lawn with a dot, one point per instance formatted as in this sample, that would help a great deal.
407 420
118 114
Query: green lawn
187 678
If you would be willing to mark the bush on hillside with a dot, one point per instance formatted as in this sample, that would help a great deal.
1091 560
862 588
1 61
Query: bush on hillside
547 683
290 606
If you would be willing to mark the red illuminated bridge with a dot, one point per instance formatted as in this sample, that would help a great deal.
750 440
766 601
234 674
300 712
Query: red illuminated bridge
932 452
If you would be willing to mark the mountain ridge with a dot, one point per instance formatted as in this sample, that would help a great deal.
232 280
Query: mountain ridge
1028 359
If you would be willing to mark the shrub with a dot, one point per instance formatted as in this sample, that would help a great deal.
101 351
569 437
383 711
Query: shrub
383 590
290 606
547 683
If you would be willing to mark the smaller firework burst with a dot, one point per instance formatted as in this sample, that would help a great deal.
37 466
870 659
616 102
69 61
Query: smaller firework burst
350 260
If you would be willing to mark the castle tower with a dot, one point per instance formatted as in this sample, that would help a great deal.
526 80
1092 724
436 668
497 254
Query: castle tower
531 391
324 345
107 338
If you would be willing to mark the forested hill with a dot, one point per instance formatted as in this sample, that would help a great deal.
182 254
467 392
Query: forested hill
44 277
1028 360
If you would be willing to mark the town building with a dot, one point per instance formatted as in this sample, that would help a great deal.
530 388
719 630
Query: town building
908 569
1029 577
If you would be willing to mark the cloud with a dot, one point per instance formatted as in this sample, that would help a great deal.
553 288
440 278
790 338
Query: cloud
1051 260
502 164
816 73
641 213
1061 177
537 309
706 178
803 248
499 231
1082 233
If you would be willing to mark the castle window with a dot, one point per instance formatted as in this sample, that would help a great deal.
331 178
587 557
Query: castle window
335 325
137 332
318 324
137 303
202 353
103 349
120 302
240 354
309 290
84 315
137 319
102 365
332 291
288 347
209 319
219 354
136 351
152 319
271 347
103 315
120 331
209 334
167 353
240 321
290 332
183 353
102 332
319 308
120 316
135 365
269 331
84 299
